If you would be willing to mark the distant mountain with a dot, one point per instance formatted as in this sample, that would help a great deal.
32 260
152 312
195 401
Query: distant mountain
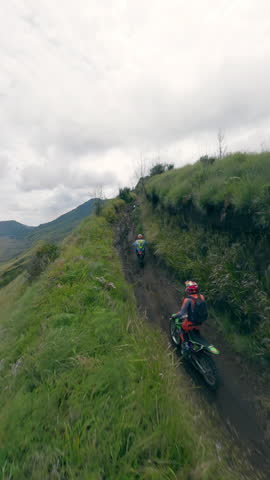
13 229
61 226
15 237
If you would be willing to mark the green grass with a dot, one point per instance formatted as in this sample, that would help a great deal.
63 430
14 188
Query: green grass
13 268
88 390
240 183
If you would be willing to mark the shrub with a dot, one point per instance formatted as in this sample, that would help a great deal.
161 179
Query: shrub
161 168
45 254
205 160
112 209
126 195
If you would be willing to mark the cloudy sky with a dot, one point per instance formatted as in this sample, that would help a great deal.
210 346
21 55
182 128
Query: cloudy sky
88 86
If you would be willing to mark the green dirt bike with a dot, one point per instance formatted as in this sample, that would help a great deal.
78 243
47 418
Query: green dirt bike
199 354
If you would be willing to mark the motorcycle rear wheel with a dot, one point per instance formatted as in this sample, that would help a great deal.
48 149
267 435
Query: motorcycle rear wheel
141 260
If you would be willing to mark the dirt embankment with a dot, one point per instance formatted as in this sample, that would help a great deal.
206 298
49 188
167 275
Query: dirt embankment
236 400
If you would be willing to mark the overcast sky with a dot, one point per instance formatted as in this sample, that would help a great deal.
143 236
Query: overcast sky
87 86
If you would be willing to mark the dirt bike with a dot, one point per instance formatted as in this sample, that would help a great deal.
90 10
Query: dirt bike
198 355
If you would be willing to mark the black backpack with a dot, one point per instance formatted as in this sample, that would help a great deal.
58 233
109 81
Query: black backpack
199 311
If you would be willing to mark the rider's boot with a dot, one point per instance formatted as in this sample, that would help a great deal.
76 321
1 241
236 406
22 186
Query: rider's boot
185 349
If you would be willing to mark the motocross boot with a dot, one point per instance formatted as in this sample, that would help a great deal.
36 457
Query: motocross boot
185 349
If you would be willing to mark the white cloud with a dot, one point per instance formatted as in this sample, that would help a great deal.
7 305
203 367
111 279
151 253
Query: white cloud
86 86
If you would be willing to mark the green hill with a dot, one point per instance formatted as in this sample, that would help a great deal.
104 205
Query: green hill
15 237
87 389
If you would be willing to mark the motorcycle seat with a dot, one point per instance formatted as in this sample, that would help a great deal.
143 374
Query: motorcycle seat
196 337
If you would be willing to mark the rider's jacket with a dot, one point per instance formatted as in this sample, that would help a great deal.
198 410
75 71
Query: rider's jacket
139 244
187 307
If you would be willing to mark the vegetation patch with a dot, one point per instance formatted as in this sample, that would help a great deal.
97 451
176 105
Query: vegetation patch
45 254
88 391
231 193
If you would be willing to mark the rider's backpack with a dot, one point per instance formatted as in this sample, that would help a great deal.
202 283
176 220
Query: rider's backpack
199 311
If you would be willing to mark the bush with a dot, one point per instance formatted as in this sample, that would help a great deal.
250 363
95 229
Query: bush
161 168
45 254
112 210
126 195
206 161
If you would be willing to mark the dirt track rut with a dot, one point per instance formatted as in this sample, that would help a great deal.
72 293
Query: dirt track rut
235 400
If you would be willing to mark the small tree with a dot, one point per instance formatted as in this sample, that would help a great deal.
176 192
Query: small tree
160 168
222 149
126 195
157 169
206 161
98 196
141 172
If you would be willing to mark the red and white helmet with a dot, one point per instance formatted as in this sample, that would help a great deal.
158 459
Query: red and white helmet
140 236
191 287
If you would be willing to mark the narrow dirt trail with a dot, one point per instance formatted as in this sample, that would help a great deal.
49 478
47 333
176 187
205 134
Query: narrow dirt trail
234 402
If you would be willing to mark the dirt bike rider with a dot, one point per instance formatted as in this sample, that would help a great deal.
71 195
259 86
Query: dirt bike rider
192 314
139 244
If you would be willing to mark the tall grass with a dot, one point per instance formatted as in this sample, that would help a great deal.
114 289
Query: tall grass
240 182
88 391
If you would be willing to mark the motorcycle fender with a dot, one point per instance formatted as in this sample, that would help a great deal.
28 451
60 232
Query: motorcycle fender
213 350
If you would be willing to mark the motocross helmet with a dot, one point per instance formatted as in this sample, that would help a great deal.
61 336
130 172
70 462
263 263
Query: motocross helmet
140 236
191 287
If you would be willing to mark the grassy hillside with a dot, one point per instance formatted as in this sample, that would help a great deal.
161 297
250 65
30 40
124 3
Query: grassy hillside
233 193
211 223
10 270
11 247
88 391
15 238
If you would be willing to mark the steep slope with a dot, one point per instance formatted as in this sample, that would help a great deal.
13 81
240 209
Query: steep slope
15 238
88 390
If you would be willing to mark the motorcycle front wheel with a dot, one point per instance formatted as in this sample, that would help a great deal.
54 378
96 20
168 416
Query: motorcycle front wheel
207 368
174 333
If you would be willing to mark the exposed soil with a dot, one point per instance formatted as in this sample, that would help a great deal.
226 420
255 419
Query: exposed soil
236 400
